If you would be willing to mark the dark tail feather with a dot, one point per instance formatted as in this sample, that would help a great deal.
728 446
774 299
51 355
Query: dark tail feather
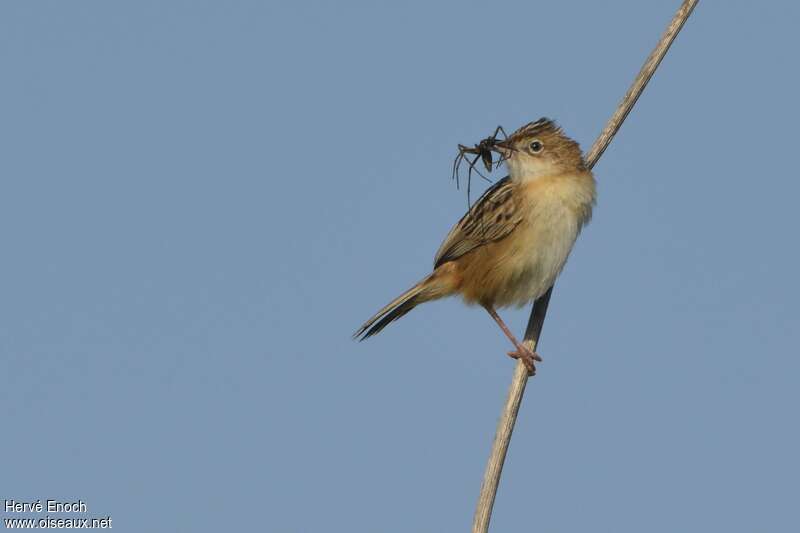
419 293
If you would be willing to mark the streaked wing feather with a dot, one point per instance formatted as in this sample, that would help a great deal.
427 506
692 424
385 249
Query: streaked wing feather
493 217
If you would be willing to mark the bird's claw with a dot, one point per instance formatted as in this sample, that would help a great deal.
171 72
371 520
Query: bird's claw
528 357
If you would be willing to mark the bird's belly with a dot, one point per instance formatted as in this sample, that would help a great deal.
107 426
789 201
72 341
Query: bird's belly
545 246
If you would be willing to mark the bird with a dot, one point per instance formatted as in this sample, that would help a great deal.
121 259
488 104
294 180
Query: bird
512 243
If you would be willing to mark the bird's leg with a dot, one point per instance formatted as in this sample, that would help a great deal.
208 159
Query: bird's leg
522 352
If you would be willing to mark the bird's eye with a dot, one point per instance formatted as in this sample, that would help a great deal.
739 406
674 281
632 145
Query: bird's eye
537 146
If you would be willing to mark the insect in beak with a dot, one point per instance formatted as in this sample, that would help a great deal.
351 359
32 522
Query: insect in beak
486 157
483 151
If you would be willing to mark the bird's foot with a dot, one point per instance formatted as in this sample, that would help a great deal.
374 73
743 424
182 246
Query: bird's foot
528 357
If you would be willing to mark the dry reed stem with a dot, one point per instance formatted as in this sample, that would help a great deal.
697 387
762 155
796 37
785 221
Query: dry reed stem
508 417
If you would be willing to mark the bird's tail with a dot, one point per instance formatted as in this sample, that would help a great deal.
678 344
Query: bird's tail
438 285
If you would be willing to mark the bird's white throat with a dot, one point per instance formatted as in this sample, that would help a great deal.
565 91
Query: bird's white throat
522 168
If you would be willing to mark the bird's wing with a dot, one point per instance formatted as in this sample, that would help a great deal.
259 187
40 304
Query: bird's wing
491 218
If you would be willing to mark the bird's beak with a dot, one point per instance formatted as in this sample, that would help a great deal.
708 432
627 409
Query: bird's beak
503 148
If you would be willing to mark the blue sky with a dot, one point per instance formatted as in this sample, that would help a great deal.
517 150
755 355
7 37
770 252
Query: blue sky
201 201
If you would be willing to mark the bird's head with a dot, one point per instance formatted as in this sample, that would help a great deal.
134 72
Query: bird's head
540 149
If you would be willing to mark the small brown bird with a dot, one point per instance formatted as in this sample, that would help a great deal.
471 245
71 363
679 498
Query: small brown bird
511 245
